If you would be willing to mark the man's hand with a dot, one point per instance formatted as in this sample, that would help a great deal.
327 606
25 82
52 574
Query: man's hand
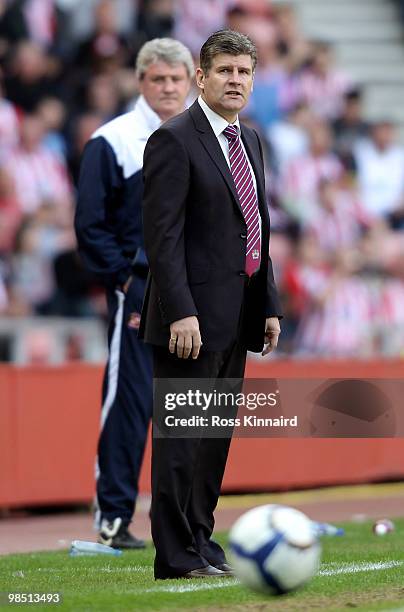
185 337
272 331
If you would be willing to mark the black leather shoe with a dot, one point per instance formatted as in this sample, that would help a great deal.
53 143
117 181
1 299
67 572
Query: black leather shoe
205 572
226 569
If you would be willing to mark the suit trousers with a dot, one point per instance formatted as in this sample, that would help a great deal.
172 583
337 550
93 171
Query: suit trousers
187 473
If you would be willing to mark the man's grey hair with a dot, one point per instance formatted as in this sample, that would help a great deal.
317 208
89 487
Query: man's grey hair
229 42
165 50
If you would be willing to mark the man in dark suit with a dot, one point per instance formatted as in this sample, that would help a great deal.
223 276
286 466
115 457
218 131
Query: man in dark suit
211 294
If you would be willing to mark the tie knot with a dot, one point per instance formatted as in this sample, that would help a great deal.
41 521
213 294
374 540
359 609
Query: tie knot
231 132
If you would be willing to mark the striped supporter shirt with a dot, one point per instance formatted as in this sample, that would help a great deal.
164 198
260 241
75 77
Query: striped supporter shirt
299 186
323 94
338 228
39 176
340 324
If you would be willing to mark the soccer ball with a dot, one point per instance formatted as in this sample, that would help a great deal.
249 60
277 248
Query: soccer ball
383 526
274 549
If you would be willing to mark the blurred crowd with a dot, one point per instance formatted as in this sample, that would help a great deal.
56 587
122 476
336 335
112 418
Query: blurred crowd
335 183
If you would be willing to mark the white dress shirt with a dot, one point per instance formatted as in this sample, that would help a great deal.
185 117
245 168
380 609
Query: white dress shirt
219 124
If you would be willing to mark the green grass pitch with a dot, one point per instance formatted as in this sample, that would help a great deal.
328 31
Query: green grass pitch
359 570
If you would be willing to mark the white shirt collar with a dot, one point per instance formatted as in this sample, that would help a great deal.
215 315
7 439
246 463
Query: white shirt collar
151 119
217 122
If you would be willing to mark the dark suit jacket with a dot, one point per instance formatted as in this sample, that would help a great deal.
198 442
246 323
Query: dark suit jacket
195 237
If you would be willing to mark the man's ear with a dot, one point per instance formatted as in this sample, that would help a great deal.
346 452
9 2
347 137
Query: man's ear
200 78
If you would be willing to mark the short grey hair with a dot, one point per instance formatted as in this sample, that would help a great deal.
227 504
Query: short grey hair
164 50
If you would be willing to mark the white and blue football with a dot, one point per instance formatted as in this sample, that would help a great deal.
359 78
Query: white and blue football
274 549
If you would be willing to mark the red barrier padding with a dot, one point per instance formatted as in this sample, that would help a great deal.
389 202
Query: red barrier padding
49 422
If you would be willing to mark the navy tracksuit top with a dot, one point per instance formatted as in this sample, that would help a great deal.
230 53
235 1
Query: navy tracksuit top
108 218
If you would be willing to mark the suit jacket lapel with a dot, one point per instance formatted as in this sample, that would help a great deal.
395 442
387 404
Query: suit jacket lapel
254 156
212 146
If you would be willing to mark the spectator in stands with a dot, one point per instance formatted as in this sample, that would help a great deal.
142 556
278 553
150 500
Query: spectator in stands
195 20
40 238
31 282
3 295
101 63
382 251
336 320
381 247
40 346
74 349
257 8
79 18
303 176
288 138
41 21
349 128
10 212
8 125
237 18
391 313
106 49
156 19
270 95
30 76
292 45
38 173
53 113
102 97
13 25
320 84
380 173
28 19
339 221
242 11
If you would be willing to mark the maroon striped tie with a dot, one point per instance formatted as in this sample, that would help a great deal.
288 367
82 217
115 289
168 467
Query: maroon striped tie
243 181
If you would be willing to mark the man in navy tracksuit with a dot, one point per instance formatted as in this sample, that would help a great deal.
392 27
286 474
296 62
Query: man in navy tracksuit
109 231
